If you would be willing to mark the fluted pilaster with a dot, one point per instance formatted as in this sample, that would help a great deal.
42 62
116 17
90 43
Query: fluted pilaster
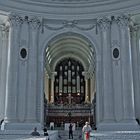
34 25
12 73
126 65
3 66
135 67
108 106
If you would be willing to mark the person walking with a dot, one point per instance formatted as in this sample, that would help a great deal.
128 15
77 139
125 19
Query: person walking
86 131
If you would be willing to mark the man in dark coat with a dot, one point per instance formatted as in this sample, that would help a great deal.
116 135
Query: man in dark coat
70 131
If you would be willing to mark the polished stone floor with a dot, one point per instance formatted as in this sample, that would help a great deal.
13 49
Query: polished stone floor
116 135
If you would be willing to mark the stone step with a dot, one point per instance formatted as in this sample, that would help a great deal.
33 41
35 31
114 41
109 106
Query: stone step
22 135
115 135
64 135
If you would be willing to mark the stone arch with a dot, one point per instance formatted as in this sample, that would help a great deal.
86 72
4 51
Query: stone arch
57 35
84 49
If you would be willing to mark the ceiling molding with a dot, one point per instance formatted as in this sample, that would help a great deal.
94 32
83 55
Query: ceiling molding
74 9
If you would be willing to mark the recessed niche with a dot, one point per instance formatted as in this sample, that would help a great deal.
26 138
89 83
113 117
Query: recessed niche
23 53
116 53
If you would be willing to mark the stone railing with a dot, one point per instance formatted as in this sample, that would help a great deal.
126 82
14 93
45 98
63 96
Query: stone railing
72 108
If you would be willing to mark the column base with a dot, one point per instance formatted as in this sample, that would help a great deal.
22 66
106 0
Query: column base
20 128
118 126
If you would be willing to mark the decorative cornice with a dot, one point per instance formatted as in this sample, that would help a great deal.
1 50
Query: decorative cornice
104 23
56 24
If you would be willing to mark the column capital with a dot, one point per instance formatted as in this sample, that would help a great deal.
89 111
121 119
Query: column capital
15 20
86 75
1 27
53 74
35 23
123 21
134 29
46 74
104 23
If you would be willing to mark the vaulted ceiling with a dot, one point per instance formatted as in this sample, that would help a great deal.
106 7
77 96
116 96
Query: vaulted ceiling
70 46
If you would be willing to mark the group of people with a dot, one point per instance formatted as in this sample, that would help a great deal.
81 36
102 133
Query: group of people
86 132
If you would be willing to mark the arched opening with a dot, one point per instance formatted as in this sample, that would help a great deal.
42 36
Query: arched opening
69 81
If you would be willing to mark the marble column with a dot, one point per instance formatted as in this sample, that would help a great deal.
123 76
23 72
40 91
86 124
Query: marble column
52 86
92 87
126 66
86 75
108 101
34 24
46 85
12 70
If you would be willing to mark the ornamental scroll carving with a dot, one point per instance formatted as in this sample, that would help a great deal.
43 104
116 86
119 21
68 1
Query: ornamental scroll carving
79 24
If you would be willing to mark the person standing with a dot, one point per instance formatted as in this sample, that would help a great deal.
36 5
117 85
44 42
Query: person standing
86 130
46 133
70 131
